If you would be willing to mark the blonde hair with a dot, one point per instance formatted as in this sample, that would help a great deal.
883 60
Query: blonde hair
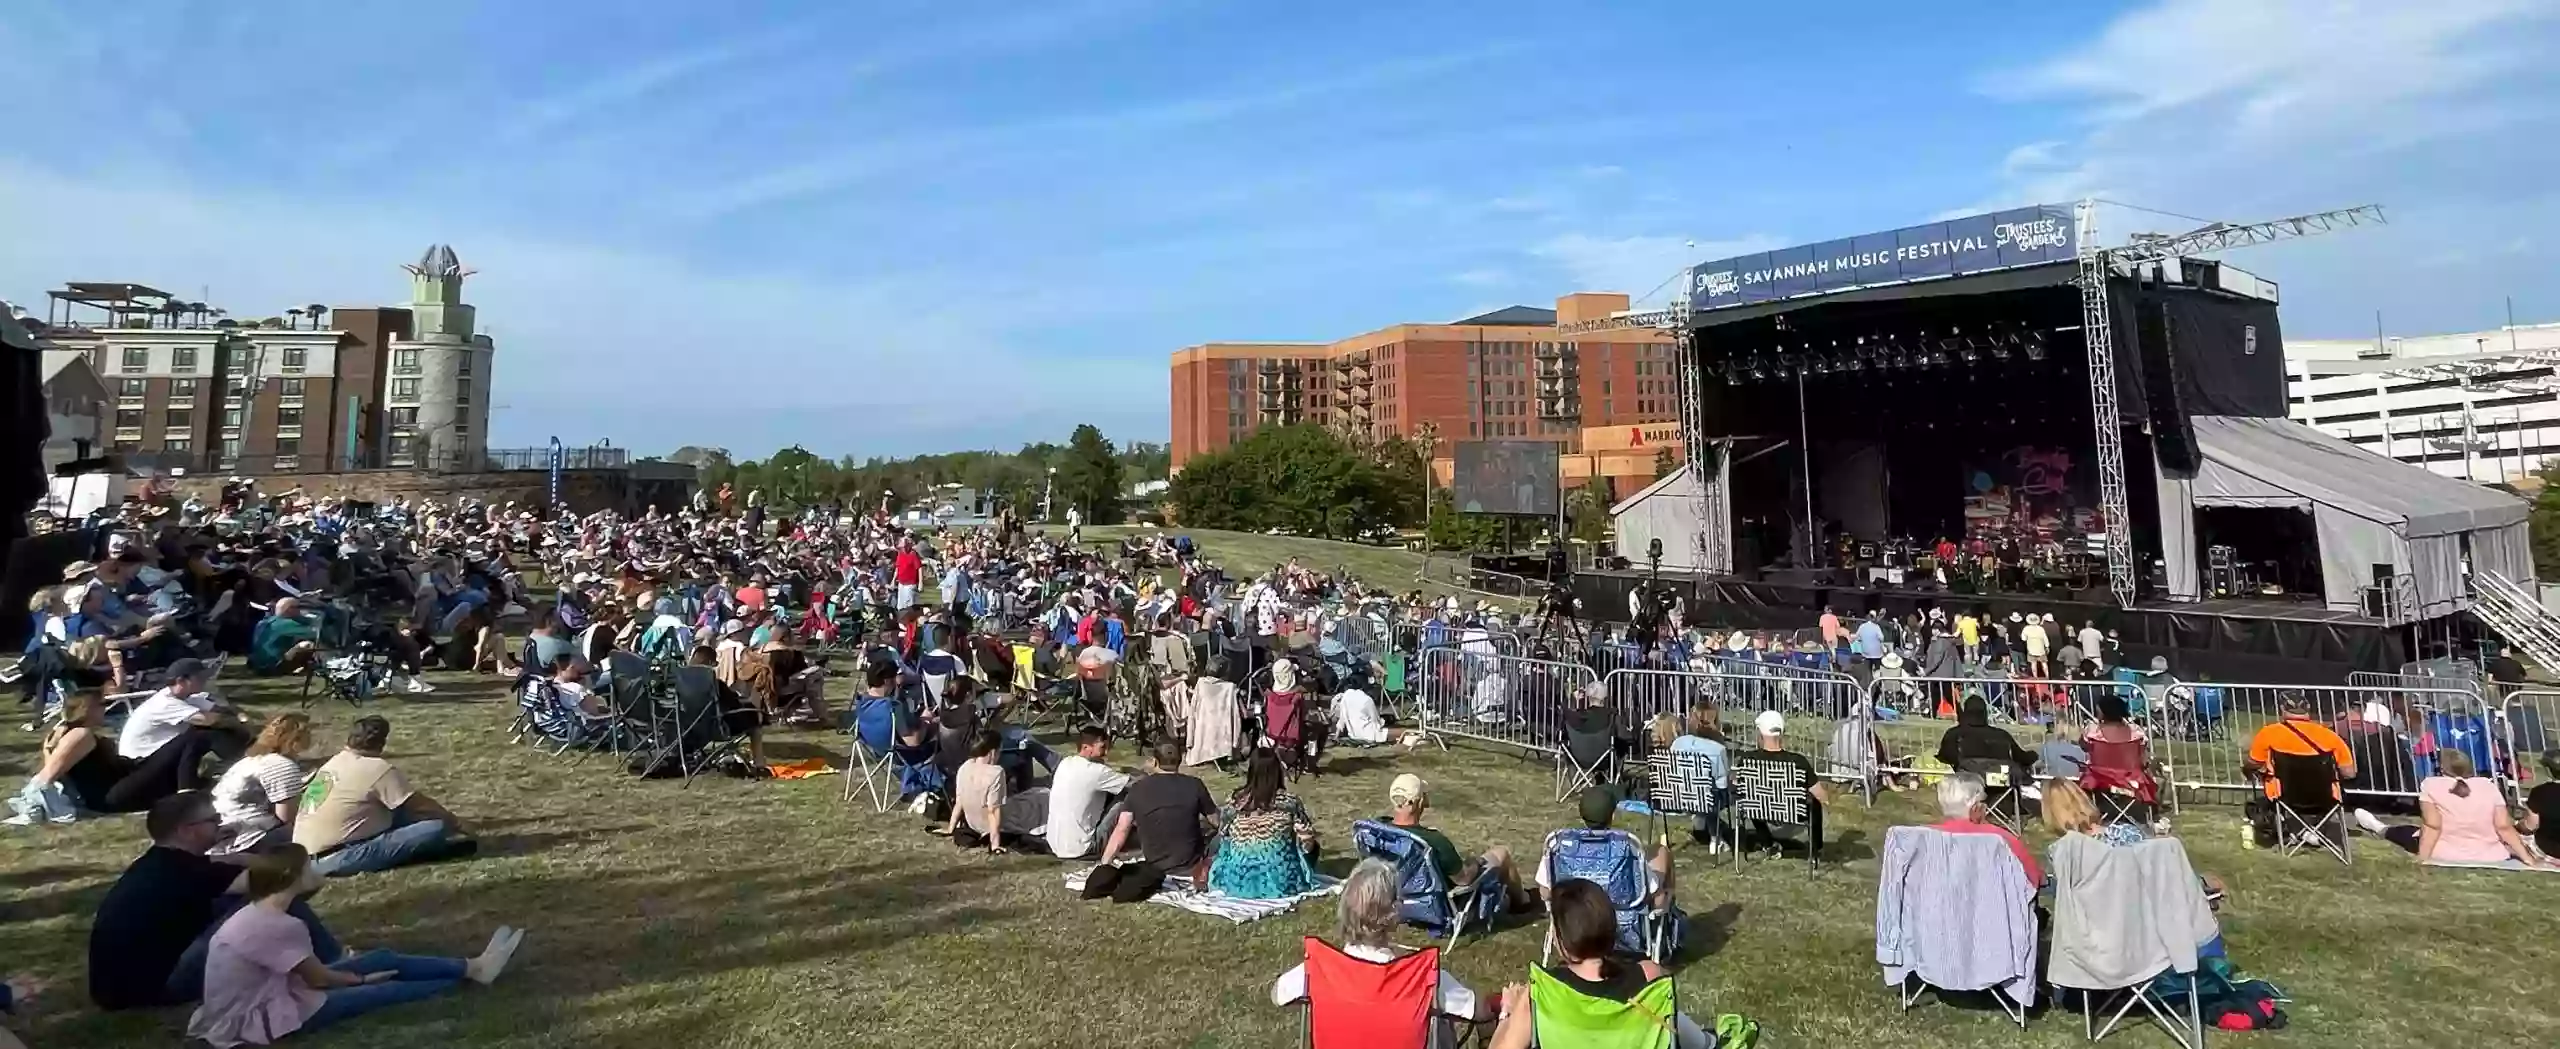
41 601
2067 808
2458 766
277 870
1665 729
286 734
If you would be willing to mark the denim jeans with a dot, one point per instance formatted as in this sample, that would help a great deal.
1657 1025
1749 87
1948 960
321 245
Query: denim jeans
418 978
458 605
408 841
186 982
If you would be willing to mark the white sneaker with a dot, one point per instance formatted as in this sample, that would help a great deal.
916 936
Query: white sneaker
418 684
2366 821
493 959
19 820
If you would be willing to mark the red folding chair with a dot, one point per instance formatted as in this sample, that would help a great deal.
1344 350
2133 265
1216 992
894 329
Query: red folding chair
1370 1005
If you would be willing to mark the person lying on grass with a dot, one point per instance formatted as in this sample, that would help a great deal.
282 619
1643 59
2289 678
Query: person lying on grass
264 980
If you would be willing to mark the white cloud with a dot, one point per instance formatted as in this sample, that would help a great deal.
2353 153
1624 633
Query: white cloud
1645 267
2254 109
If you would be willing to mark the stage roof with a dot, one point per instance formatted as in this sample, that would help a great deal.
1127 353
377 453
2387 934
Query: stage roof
2282 463
2053 274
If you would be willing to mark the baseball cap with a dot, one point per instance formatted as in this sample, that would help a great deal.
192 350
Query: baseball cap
1407 788
1771 723
187 669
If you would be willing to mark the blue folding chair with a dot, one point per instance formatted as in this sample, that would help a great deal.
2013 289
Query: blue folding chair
1614 861
1425 896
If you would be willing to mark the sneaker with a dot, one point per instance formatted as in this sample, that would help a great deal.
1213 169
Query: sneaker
19 820
2369 823
419 685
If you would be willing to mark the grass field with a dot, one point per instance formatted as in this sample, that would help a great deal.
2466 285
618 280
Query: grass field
772 914
1247 553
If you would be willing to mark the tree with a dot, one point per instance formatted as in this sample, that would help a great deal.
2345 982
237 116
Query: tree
2545 523
1089 476
1662 464
1303 479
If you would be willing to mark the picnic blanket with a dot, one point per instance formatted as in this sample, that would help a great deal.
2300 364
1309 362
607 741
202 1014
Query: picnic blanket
2509 864
1178 892
802 769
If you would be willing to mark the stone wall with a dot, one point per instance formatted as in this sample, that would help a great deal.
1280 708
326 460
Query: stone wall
586 491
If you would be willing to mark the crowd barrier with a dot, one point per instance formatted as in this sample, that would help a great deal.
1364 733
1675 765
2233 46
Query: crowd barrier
2525 720
1507 700
1815 710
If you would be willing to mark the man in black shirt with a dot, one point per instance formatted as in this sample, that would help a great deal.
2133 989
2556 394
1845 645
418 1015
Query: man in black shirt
1170 813
147 948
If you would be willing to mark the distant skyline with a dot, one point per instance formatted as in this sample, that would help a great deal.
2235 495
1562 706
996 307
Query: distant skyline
926 225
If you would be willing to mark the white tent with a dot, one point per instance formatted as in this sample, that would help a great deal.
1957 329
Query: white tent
1667 510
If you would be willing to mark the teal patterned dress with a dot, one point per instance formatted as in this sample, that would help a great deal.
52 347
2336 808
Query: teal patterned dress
1258 855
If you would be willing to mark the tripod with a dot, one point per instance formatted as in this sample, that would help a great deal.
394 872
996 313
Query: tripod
1559 623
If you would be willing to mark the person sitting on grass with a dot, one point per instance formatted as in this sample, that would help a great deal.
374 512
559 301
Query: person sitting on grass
283 643
147 946
1084 796
2465 820
1167 814
1268 850
2542 807
264 978
261 792
1584 926
980 800
360 815
1366 920
1408 799
168 736
79 769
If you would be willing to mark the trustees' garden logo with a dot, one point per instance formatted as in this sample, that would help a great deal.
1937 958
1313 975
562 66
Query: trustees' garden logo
1720 282
2030 236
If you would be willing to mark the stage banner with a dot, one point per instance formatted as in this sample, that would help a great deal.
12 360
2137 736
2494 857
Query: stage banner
1973 244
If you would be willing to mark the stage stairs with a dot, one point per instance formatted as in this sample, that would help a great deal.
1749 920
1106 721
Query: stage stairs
2518 616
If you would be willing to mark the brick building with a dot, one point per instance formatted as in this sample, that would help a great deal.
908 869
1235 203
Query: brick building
1504 374
314 390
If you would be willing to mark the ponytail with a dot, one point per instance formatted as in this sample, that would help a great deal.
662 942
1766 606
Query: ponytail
2462 788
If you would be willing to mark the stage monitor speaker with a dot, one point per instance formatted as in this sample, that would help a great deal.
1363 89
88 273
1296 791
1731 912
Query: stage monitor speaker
2173 435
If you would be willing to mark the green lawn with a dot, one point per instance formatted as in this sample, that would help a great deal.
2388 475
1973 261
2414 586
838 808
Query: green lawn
1248 553
772 914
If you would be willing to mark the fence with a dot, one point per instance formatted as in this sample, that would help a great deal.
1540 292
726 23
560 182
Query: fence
2525 717
1512 701
1814 709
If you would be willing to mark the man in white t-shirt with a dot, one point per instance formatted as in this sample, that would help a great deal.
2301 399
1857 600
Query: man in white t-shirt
1084 796
168 735
2093 643
2039 647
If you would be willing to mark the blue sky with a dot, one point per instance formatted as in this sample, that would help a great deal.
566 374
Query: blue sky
894 226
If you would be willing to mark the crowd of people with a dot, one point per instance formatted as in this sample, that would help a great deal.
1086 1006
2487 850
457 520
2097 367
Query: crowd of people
965 641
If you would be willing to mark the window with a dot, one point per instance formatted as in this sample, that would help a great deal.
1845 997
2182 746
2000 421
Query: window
137 359
289 387
132 387
176 443
183 360
128 418
404 389
404 417
230 451
288 417
181 419
403 450
231 417
287 447
296 358
182 389
404 362
462 392
463 365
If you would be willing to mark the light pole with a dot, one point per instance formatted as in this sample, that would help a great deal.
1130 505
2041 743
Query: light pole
1047 487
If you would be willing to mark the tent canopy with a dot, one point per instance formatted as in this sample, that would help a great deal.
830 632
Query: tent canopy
2281 463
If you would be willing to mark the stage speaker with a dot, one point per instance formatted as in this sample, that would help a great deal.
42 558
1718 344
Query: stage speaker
2173 435
1746 557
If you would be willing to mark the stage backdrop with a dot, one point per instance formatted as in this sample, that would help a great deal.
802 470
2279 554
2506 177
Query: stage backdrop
2021 237
1506 477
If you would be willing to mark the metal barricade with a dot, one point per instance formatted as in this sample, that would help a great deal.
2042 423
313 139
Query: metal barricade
2528 727
1513 701
2200 732
1815 712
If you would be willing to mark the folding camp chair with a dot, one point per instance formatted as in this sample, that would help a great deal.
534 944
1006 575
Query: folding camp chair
2306 807
2003 803
1567 1017
2119 781
1426 898
1587 759
1684 784
2103 1008
881 764
700 733
1352 1002
1775 792
1614 860
1915 939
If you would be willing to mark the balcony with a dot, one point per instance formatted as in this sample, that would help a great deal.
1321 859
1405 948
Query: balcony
1559 407
1558 367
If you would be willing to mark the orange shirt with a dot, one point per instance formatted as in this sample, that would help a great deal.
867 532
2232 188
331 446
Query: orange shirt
2298 735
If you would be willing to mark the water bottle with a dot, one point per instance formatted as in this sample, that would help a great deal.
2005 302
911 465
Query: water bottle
2248 836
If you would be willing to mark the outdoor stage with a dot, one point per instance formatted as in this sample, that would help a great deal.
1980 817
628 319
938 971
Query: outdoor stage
2267 642
2077 434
